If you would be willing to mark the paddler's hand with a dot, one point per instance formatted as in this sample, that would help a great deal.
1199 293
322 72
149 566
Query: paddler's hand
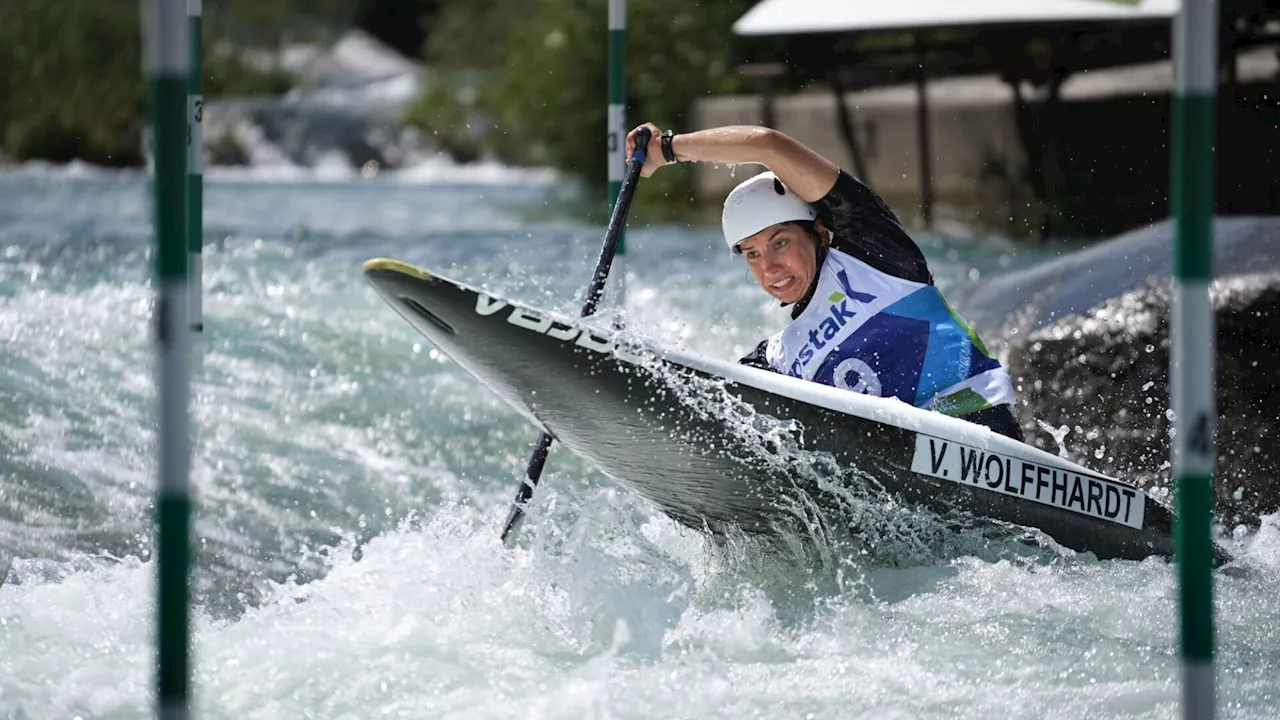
653 155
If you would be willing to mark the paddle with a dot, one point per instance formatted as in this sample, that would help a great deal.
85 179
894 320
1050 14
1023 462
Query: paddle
539 458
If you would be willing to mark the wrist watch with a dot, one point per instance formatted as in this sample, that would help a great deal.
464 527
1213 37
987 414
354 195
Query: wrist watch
667 153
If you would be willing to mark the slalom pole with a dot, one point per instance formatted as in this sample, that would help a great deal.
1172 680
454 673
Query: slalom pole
616 132
1192 328
166 60
612 243
195 161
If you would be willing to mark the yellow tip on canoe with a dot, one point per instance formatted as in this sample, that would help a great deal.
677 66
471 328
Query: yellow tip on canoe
394 266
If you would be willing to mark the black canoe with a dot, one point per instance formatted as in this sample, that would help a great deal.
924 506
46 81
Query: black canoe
686 432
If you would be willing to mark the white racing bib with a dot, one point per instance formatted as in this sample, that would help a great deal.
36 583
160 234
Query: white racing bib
874 333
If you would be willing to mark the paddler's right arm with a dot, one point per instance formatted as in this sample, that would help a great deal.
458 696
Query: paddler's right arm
807 173
860 222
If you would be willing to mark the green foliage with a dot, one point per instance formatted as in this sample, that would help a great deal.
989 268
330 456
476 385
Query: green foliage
269 23
232 27
226 74
71 76
71 81
522 80
527 81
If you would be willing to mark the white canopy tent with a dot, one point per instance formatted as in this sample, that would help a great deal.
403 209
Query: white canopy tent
839 17
789 17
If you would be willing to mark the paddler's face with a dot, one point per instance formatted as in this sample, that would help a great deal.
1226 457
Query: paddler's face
784 260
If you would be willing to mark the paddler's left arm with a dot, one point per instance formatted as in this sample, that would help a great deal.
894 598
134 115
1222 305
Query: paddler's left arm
807 173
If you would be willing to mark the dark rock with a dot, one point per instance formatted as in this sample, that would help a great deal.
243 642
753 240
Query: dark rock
1086 339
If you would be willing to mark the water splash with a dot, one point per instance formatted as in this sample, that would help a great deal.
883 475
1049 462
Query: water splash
610 609
1059 435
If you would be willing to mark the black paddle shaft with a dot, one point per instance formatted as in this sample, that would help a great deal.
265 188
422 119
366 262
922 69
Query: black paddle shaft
611 236
594 291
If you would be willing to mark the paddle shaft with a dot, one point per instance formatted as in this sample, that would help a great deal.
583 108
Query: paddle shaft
594 292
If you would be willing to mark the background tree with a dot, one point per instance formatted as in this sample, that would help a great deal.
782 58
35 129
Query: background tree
526 80
71 81
71 74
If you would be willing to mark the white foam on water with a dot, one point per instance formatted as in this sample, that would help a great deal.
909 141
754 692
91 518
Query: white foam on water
324 422
640 621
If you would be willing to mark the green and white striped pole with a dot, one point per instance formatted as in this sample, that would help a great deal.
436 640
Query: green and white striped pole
166 60
617 132
195 162
1196 62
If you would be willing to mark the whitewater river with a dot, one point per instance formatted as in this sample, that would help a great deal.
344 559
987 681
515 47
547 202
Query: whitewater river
350 482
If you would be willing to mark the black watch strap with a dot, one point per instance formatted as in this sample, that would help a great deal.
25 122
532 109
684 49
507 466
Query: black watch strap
667 153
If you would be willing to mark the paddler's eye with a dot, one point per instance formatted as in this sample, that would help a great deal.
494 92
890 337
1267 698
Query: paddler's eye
781 243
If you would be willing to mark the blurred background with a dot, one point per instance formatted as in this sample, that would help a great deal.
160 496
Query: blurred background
1048 121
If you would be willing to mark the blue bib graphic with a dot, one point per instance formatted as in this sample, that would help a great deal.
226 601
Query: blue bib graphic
871 332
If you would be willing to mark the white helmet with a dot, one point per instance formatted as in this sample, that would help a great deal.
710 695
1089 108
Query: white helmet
761 202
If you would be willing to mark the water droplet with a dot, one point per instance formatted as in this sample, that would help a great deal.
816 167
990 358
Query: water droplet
1059 435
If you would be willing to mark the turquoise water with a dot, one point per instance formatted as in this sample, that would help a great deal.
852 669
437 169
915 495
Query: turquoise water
323 424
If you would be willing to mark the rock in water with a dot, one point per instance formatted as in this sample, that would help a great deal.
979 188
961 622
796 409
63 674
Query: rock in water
1086 338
